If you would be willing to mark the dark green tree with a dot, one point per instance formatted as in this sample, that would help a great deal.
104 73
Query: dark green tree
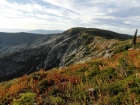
134 37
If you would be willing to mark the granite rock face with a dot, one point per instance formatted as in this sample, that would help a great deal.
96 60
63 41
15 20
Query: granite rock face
73 46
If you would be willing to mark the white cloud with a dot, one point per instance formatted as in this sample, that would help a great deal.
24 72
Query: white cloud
67 4
127 22
63 14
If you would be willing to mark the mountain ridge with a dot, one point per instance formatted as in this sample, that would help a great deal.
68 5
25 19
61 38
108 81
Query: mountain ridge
72 46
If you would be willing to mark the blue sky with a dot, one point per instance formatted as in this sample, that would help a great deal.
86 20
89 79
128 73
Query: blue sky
117 15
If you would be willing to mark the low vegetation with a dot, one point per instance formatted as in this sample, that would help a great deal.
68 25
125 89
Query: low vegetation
100 81
112 81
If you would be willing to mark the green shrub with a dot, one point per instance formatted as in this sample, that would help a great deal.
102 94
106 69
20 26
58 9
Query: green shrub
115 89
116 100
55 92
123 48
42 85
25 98
56 100
108 72
80 96
138 98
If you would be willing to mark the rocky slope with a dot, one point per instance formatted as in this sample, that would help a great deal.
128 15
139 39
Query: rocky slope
75 45
112 81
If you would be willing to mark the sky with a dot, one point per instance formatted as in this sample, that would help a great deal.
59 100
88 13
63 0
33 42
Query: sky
122 16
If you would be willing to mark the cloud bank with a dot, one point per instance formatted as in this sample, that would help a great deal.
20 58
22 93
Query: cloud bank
120 16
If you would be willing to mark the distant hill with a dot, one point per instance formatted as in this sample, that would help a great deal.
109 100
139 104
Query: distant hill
12 39
45 31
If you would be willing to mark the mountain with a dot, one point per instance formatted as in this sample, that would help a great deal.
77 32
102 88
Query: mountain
39 31
12 39
45 31
99 81
73 46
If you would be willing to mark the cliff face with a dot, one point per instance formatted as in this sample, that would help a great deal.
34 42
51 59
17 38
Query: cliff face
72 46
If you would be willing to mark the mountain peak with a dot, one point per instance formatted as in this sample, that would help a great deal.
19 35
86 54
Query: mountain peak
97 32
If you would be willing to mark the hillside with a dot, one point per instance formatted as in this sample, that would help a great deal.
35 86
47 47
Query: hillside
12 39
73 46
99 81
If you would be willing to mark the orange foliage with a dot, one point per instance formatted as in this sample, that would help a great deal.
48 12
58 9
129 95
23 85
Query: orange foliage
2 92
16 88
132 57
77 67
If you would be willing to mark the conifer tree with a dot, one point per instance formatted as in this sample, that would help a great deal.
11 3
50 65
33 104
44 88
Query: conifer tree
134 37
